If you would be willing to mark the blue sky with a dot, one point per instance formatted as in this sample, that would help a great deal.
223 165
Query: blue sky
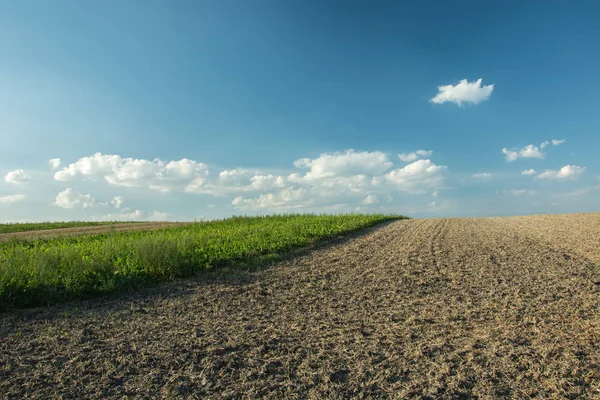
203 109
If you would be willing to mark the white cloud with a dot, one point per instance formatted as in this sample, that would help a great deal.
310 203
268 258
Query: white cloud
463 92
54 163
12 198
71 199
117 201
238 176
17 176
528 172
156 174
529 151
267 182
511 155
483 175
196 186
353 184
519 192
289 198
347 163
567 172
158 216
408 157
370 199
236 181
416 177
331 194
125 216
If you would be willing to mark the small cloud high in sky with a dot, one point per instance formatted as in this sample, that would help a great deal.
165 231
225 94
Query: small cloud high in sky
408 157
171 115
54 163
463 92
529 171
566 172
554 142
18 176
529 151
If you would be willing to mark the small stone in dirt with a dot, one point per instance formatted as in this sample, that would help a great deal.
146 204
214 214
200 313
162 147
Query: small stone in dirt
339 376
182 389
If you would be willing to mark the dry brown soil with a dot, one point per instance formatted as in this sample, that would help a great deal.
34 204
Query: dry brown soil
438 308
86 230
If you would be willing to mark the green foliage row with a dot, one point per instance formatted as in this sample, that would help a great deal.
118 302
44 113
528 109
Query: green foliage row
59 269
37 226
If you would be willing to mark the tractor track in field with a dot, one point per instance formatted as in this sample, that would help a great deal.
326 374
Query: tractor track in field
436 308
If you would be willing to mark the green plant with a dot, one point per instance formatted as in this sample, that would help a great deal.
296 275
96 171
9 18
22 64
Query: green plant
57 269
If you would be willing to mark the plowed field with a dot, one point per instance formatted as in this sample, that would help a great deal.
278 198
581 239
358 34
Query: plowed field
437 308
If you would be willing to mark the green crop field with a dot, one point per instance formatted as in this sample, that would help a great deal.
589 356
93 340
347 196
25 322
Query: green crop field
37 226
48 271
